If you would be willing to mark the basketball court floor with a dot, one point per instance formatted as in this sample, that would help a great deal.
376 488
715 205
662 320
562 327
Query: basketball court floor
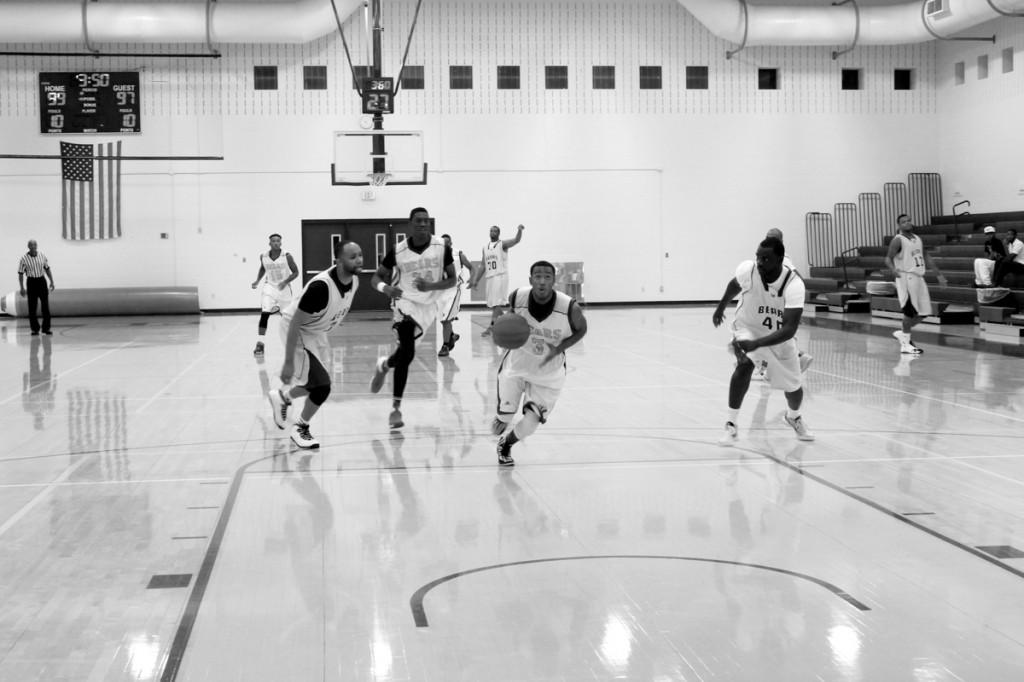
155 525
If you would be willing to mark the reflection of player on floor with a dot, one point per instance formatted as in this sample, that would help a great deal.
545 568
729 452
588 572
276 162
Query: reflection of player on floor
908 262
495 269
450 303
321 307
767 317
280 270
533 375
421 267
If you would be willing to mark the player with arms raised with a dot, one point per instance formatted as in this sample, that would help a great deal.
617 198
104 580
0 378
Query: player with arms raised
533 374
767 317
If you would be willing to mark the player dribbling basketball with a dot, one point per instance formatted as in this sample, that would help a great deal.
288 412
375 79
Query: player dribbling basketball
533 375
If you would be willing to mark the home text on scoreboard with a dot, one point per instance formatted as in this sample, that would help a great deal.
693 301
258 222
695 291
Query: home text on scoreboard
89 102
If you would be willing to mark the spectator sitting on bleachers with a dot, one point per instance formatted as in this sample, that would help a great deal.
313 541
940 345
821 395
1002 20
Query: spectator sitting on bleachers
994 252
1013 263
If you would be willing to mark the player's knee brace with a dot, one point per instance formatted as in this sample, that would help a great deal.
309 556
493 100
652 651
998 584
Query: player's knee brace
318 395
530 407
527 425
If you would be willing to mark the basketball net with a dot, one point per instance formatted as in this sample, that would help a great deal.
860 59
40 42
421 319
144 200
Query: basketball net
379 179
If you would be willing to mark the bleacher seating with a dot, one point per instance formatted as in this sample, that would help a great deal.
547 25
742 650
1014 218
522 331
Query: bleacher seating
953 243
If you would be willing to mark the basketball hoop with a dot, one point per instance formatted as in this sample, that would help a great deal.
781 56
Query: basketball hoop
378 179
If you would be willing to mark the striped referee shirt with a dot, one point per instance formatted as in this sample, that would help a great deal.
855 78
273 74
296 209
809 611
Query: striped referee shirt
33 266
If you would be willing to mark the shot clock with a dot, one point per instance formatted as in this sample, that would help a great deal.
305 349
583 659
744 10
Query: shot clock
379 95
89 102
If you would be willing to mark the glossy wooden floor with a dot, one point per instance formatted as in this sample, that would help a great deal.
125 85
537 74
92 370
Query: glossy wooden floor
154 524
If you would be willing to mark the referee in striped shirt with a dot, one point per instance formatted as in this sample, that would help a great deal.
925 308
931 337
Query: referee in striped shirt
33 270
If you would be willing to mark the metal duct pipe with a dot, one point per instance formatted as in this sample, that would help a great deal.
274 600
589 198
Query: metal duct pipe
828 25
301 21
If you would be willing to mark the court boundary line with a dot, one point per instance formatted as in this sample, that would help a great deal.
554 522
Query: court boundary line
899 516
176 654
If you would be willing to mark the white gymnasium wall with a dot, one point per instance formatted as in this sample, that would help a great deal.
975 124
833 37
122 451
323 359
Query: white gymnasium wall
981 137
659 192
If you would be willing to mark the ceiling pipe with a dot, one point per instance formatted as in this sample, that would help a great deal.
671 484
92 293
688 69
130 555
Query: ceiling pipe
827 25
301 21
149 21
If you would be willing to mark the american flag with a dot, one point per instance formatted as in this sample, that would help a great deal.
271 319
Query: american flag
91 194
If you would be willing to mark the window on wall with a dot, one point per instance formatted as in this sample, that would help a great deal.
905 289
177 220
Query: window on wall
556 77
696 78
851 79
508 77
604 77
903 79
1008 60
314 77
460 77
767 79
958 73
650 78
264 77
983 67
362 73
412 77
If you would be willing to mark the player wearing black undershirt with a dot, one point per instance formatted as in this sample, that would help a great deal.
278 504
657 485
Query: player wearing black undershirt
321 307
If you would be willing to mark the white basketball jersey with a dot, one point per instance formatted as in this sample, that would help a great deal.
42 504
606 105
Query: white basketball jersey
330 317
277 269
495 259
428 266
526 361
761 307
911 255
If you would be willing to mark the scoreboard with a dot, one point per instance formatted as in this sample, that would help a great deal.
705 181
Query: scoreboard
89 102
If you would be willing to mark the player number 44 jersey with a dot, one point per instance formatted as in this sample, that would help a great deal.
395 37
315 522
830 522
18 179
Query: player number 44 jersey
761 307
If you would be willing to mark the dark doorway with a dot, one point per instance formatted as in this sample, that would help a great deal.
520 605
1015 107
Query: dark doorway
375 237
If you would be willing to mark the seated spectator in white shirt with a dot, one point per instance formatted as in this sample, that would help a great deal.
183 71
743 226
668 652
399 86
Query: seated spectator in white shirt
1013 263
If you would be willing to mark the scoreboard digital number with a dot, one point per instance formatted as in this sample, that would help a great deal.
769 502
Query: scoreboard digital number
89 102
378 95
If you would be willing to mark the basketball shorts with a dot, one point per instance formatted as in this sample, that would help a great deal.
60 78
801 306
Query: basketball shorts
448 306
514 391
782 362
912 289
310 358
497 290
422 314
273 300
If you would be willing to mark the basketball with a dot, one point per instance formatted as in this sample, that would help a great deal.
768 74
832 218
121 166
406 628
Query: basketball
510 331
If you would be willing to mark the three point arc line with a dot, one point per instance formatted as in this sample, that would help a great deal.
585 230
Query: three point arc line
419 613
